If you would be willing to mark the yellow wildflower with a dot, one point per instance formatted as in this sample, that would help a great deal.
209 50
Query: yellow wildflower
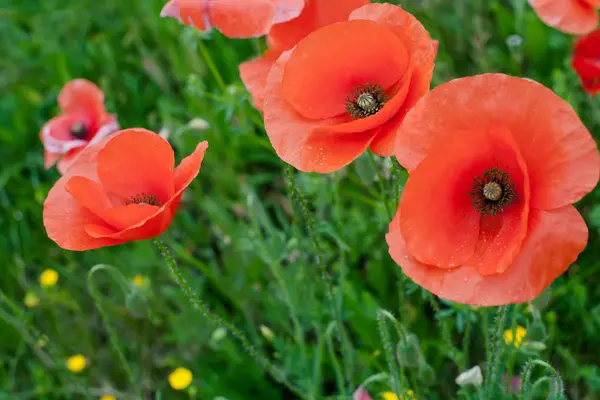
107 397
181 378
140 280
410 395
515 337
76 363
31 300
48 278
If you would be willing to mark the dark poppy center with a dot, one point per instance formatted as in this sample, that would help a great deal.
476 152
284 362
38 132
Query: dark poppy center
78 130
365 100
492 192
143 198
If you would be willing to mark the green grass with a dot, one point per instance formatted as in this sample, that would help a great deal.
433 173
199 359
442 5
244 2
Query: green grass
239 242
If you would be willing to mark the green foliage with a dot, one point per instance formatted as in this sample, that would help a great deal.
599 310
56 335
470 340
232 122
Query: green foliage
242 248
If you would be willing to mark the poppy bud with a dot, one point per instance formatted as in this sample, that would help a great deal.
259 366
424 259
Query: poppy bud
409 352
426 374
537 330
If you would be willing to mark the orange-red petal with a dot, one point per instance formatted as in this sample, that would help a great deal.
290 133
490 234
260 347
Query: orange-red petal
65 217
554 241
575 17
422 50
330 63
559 152
81 96
439 223
316 14
500 236
137 162
254 74
234 18
303 142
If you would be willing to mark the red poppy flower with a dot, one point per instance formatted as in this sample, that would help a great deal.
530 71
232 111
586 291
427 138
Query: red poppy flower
234 18
576 17
121 189
346 87
284 36
486 216
586 61
84 120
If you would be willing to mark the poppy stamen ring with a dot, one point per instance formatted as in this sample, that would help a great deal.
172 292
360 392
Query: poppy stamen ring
78 130
492 192
365 100
143 198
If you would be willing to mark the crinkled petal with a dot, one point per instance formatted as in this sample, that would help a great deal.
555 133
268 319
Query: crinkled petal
560 153
570 16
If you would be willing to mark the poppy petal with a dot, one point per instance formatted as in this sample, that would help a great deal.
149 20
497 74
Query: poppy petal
90 194
56 134
293 138
316 14
65 217
555 240
422 50
330 63
569 16
560 153
50 159
500 236
81 96
189 167
254 74
137 162
439 223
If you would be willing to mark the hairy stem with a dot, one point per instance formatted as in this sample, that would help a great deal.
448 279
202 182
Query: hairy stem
495 355
558 388
297 195
218 321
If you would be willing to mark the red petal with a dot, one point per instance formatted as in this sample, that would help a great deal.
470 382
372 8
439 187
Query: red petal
500 236
554 241
560 153
137 161
326 66
569 16
254 74
316 14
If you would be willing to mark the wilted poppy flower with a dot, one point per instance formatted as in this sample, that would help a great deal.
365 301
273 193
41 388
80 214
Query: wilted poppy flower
234 18
576 17
586 61
284 36
122 189
361 394
346 87
495 163
84 120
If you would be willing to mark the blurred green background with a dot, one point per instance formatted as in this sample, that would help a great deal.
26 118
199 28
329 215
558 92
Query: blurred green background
237 238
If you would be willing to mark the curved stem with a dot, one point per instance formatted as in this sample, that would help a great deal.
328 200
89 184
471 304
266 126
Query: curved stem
527 388
388 348
112 335
218 321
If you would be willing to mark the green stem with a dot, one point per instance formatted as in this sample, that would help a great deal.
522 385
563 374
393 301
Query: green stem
339 375
526 387
218 321
466 344
297 195
495 354
112 335
388 349
382 191
446 336
211 65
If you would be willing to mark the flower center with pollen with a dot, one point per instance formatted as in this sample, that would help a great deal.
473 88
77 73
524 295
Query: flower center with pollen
78 130
143 198
492 192
365 100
